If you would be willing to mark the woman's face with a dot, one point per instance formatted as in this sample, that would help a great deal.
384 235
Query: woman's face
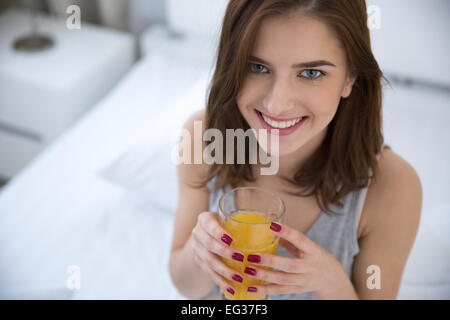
301 99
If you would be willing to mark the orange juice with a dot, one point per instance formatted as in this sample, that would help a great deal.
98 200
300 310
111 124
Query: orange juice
251 234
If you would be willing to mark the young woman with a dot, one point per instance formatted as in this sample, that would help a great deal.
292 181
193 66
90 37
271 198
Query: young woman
353 205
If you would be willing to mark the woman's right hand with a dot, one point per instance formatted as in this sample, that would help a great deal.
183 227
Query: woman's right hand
209 241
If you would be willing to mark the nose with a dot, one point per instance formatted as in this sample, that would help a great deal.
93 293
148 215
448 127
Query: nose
281 98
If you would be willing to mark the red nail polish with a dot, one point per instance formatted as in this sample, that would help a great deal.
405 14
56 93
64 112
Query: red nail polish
275 227
254 258
227 239
237 256
251 289
230 290
237 278
250 271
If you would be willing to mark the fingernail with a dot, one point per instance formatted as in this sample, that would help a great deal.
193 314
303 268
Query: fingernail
250 271
275 227
230 290
227 239
237 278
251 289
254 258
237 256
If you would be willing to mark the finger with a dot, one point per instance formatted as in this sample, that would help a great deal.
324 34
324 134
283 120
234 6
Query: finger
297 238
291 249
215 246
217 278
213 262
291 265
208 221
277 277
276 289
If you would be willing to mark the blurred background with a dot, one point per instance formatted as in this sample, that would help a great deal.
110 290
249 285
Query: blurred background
92 96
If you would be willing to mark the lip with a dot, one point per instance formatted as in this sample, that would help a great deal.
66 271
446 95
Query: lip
281 132
278 119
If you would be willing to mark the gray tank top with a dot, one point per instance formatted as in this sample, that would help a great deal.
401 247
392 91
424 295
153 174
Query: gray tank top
337 234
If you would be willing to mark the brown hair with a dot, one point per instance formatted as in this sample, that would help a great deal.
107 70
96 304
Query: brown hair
342 162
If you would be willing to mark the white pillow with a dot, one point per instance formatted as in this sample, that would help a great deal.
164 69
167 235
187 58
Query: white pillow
145 167
429 261
198 49
427 272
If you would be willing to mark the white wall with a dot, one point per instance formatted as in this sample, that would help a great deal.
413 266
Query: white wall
413 39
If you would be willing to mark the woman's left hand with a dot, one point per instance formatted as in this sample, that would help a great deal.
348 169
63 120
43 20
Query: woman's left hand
312 269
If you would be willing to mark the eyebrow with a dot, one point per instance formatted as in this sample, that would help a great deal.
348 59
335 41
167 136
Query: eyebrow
309 64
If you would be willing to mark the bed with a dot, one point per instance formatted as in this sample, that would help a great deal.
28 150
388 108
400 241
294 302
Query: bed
60 211
92 216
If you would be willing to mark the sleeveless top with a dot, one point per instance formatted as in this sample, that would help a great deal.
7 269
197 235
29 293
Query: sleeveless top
338 234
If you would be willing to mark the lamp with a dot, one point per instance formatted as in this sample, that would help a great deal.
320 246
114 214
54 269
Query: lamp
33 42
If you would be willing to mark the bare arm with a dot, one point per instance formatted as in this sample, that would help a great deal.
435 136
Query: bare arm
393 207
199 242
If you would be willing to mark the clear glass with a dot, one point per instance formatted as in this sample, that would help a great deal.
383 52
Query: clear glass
246 214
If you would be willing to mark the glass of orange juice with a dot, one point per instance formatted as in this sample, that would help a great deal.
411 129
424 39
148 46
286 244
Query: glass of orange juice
246 214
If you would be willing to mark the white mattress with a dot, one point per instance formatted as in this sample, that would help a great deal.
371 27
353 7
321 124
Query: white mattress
65 209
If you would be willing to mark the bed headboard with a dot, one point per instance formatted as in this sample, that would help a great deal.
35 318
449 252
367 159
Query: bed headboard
195 17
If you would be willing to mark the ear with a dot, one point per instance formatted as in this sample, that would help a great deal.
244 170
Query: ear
347 89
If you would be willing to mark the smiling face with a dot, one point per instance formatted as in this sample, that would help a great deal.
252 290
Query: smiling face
295 80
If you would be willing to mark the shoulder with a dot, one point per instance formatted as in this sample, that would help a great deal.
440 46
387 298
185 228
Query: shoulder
198 116
392 211
395 193
395 176
194 126
188 170
193 196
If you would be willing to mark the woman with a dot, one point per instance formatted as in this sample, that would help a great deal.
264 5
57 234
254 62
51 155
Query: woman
304 67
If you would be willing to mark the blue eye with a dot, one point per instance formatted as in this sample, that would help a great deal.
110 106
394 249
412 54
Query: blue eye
312 74
309 74
253 69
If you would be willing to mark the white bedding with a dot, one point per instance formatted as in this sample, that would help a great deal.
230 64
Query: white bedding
75 204
60 212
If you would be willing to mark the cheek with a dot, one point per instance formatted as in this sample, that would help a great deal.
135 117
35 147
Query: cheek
243 110
322 105
245 98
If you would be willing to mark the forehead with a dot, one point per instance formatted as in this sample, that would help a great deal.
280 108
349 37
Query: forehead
297 38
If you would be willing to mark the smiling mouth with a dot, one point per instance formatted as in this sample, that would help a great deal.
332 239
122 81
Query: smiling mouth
277 124
280 127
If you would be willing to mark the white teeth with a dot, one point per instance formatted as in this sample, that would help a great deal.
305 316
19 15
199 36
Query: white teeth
281 125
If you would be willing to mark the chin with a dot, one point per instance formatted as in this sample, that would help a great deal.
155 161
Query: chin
287 150
283 150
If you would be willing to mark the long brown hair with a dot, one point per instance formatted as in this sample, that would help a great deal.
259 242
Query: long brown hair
342 162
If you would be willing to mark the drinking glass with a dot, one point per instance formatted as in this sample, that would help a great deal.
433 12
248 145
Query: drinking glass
246 214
